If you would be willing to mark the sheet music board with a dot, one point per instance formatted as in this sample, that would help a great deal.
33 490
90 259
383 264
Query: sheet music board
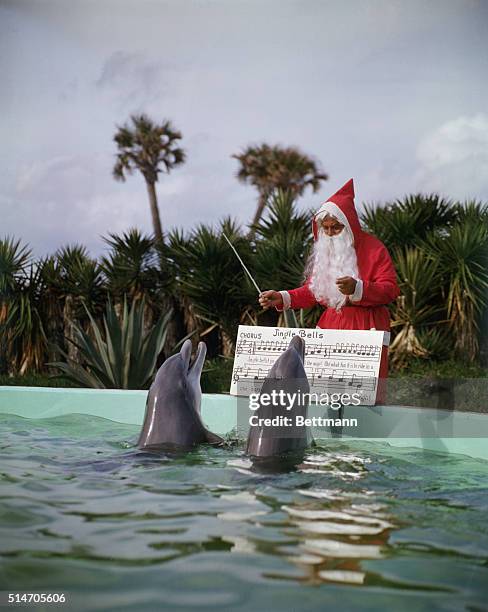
336 361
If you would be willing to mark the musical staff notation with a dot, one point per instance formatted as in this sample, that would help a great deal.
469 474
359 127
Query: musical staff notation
346 350
325 379
336 361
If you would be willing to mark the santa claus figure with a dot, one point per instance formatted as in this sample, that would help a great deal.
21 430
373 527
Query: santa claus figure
350 273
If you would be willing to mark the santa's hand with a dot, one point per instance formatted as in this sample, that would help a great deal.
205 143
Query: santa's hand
346 284
270 298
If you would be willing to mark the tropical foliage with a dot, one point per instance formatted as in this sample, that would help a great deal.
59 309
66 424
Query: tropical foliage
149 148
53 308
121 354
440 249
211 280
463 262
273 167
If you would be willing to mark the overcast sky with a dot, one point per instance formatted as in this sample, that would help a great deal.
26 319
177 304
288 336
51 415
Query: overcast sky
391 92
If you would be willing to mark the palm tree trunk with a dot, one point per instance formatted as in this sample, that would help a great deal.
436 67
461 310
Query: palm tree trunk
3 340
54 325
69 332
176 326
153 203
263 199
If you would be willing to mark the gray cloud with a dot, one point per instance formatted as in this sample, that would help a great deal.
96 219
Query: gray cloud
386 91
133 80
453 158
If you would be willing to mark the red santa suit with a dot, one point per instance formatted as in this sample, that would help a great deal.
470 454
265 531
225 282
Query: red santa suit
376 286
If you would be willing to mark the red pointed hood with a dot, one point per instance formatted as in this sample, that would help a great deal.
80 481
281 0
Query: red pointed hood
343 199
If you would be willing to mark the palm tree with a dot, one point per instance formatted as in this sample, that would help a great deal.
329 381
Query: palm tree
151 149
271 167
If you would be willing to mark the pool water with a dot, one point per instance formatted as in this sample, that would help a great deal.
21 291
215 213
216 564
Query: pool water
359 525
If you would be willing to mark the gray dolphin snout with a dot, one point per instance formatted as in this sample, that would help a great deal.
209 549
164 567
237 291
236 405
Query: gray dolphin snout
172 418
286 434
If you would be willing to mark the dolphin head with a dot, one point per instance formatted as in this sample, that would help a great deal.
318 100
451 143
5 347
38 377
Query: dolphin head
172 417
287 376
290 364
178 375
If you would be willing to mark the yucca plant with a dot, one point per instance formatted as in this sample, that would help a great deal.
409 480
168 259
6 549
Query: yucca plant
403 223
53 297
418 305
131 265
463 259
79 279
22 327
282 241
472 209
211 278
122 354
132 268
283 238
437 340
23 339
14 259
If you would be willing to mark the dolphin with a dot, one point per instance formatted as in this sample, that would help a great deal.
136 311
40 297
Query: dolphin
172 418
275 442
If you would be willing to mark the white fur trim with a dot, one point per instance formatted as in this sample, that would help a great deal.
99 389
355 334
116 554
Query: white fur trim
332 209
358 291
286 300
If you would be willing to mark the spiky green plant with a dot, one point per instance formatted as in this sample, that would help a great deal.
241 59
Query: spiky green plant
80 275
78 279
122 354
210 277
282 241
22 309
403 223
418 305
14 258
283 238
463 262
22 327
132 268
478 211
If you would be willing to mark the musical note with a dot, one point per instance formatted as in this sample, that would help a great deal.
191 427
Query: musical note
335 360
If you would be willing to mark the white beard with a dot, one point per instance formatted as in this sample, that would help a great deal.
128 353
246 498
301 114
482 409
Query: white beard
332 257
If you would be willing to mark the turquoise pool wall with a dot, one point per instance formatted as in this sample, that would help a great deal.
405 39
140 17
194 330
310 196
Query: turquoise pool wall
219 412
